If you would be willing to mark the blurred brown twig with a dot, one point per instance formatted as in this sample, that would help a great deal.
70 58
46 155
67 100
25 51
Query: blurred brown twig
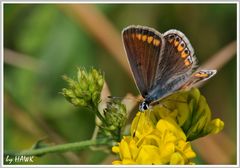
100 28
20 60
223 56
214 151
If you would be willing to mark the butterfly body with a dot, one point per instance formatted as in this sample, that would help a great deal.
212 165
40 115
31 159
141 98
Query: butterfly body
161 63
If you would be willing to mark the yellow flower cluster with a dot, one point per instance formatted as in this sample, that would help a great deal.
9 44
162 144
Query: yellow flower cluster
164 143
162 134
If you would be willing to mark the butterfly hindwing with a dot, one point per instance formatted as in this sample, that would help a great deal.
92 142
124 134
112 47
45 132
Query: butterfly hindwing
178 57
143 46
199 76
176 65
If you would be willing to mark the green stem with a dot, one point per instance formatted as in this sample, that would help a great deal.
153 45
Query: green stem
60 148
99 115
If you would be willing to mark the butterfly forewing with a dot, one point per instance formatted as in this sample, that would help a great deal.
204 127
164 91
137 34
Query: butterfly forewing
143 47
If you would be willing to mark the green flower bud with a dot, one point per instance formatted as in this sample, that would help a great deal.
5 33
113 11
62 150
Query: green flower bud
68 93
82 102
96 74
90 79
115 116
85 91
79 75
88 96
96 97
100 83
70 82
83 85
83 76
92 88
78 102
78 92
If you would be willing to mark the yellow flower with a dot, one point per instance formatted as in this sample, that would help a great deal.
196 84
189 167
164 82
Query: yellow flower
191 112
164 143
162 134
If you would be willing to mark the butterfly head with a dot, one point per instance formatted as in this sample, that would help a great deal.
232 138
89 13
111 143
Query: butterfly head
143 106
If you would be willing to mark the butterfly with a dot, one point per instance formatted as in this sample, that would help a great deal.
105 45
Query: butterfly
162 64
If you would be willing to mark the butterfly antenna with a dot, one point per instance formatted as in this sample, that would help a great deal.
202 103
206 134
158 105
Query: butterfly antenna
127 97
135 130
115 97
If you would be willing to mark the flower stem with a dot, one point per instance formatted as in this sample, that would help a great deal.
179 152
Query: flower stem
60 148
99 115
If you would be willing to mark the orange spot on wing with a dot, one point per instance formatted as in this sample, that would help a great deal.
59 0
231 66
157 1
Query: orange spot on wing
183 54
187 62
156 42
176 43
201 75
139 36
133 35
144 37
149 39
180 48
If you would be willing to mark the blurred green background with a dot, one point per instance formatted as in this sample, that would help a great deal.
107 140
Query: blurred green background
44 41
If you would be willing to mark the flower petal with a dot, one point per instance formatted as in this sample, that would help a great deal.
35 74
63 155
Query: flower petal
177 159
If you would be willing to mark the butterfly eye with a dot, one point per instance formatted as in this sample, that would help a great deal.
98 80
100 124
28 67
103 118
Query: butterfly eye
143 106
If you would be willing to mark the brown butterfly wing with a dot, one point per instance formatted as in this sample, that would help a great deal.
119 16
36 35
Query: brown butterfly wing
143 46
161 64
178 57
199 76
177 63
